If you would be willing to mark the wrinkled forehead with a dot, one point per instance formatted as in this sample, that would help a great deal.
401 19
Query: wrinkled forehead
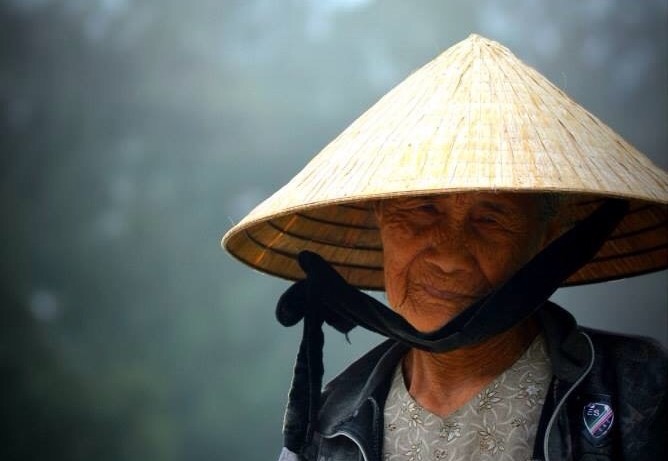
498 201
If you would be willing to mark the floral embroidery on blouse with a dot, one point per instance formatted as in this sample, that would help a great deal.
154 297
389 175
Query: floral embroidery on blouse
450 430
415 452
488 397
531 390
490 441
498 424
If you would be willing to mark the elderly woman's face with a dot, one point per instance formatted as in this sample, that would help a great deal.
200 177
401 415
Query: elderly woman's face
443 253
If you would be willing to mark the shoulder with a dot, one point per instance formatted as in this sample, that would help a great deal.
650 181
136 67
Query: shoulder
356 374
629 353
613 352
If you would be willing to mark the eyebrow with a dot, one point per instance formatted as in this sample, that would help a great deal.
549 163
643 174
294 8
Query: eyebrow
406 201
499 207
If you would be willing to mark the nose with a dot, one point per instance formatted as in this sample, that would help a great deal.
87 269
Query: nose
448 248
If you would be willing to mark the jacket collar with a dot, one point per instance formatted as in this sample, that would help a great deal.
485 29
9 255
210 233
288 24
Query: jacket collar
568 349
366 379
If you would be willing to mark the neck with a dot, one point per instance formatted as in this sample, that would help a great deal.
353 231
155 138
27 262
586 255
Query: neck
443 382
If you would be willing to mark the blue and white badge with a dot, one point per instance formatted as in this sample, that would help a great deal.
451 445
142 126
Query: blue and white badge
598 418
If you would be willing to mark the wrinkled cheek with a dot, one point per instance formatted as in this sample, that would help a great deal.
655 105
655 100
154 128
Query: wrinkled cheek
395 284
400 248
504 261
397 274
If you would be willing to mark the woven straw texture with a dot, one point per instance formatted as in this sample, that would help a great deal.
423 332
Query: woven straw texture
475 118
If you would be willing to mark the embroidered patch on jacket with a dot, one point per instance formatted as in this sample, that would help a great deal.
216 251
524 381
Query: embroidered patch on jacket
598 418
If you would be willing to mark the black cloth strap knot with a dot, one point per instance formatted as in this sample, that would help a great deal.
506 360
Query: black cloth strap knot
325 297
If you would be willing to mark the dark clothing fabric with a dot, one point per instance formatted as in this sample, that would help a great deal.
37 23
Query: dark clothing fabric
626 373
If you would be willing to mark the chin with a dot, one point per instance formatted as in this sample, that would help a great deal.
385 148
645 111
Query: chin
428 326
427 315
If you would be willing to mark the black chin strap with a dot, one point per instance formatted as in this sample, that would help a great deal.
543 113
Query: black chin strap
324 296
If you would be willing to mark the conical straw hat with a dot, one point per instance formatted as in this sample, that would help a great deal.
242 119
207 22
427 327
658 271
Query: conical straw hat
474 119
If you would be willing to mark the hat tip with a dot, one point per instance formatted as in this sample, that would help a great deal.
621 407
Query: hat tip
477 37
474 37
480 42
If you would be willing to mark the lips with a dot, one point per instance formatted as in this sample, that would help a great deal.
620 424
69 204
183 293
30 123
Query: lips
448 295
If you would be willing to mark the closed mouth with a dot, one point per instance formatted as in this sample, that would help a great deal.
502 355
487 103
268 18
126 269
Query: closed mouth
448 295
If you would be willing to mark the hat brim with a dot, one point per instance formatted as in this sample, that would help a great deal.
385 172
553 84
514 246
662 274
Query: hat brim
347 236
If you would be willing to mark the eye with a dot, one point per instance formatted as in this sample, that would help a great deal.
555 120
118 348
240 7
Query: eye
487 219
427 208
416 206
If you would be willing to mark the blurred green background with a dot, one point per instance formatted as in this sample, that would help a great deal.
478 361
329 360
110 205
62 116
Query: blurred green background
133 133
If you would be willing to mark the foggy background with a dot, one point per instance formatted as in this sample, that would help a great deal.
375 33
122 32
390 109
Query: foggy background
133 133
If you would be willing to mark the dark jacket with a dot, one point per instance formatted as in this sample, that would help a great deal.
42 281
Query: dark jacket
589 367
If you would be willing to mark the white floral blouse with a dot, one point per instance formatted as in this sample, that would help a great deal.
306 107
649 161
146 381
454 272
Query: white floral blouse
499 424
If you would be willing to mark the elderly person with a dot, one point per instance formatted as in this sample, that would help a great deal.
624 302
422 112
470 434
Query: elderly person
469 193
